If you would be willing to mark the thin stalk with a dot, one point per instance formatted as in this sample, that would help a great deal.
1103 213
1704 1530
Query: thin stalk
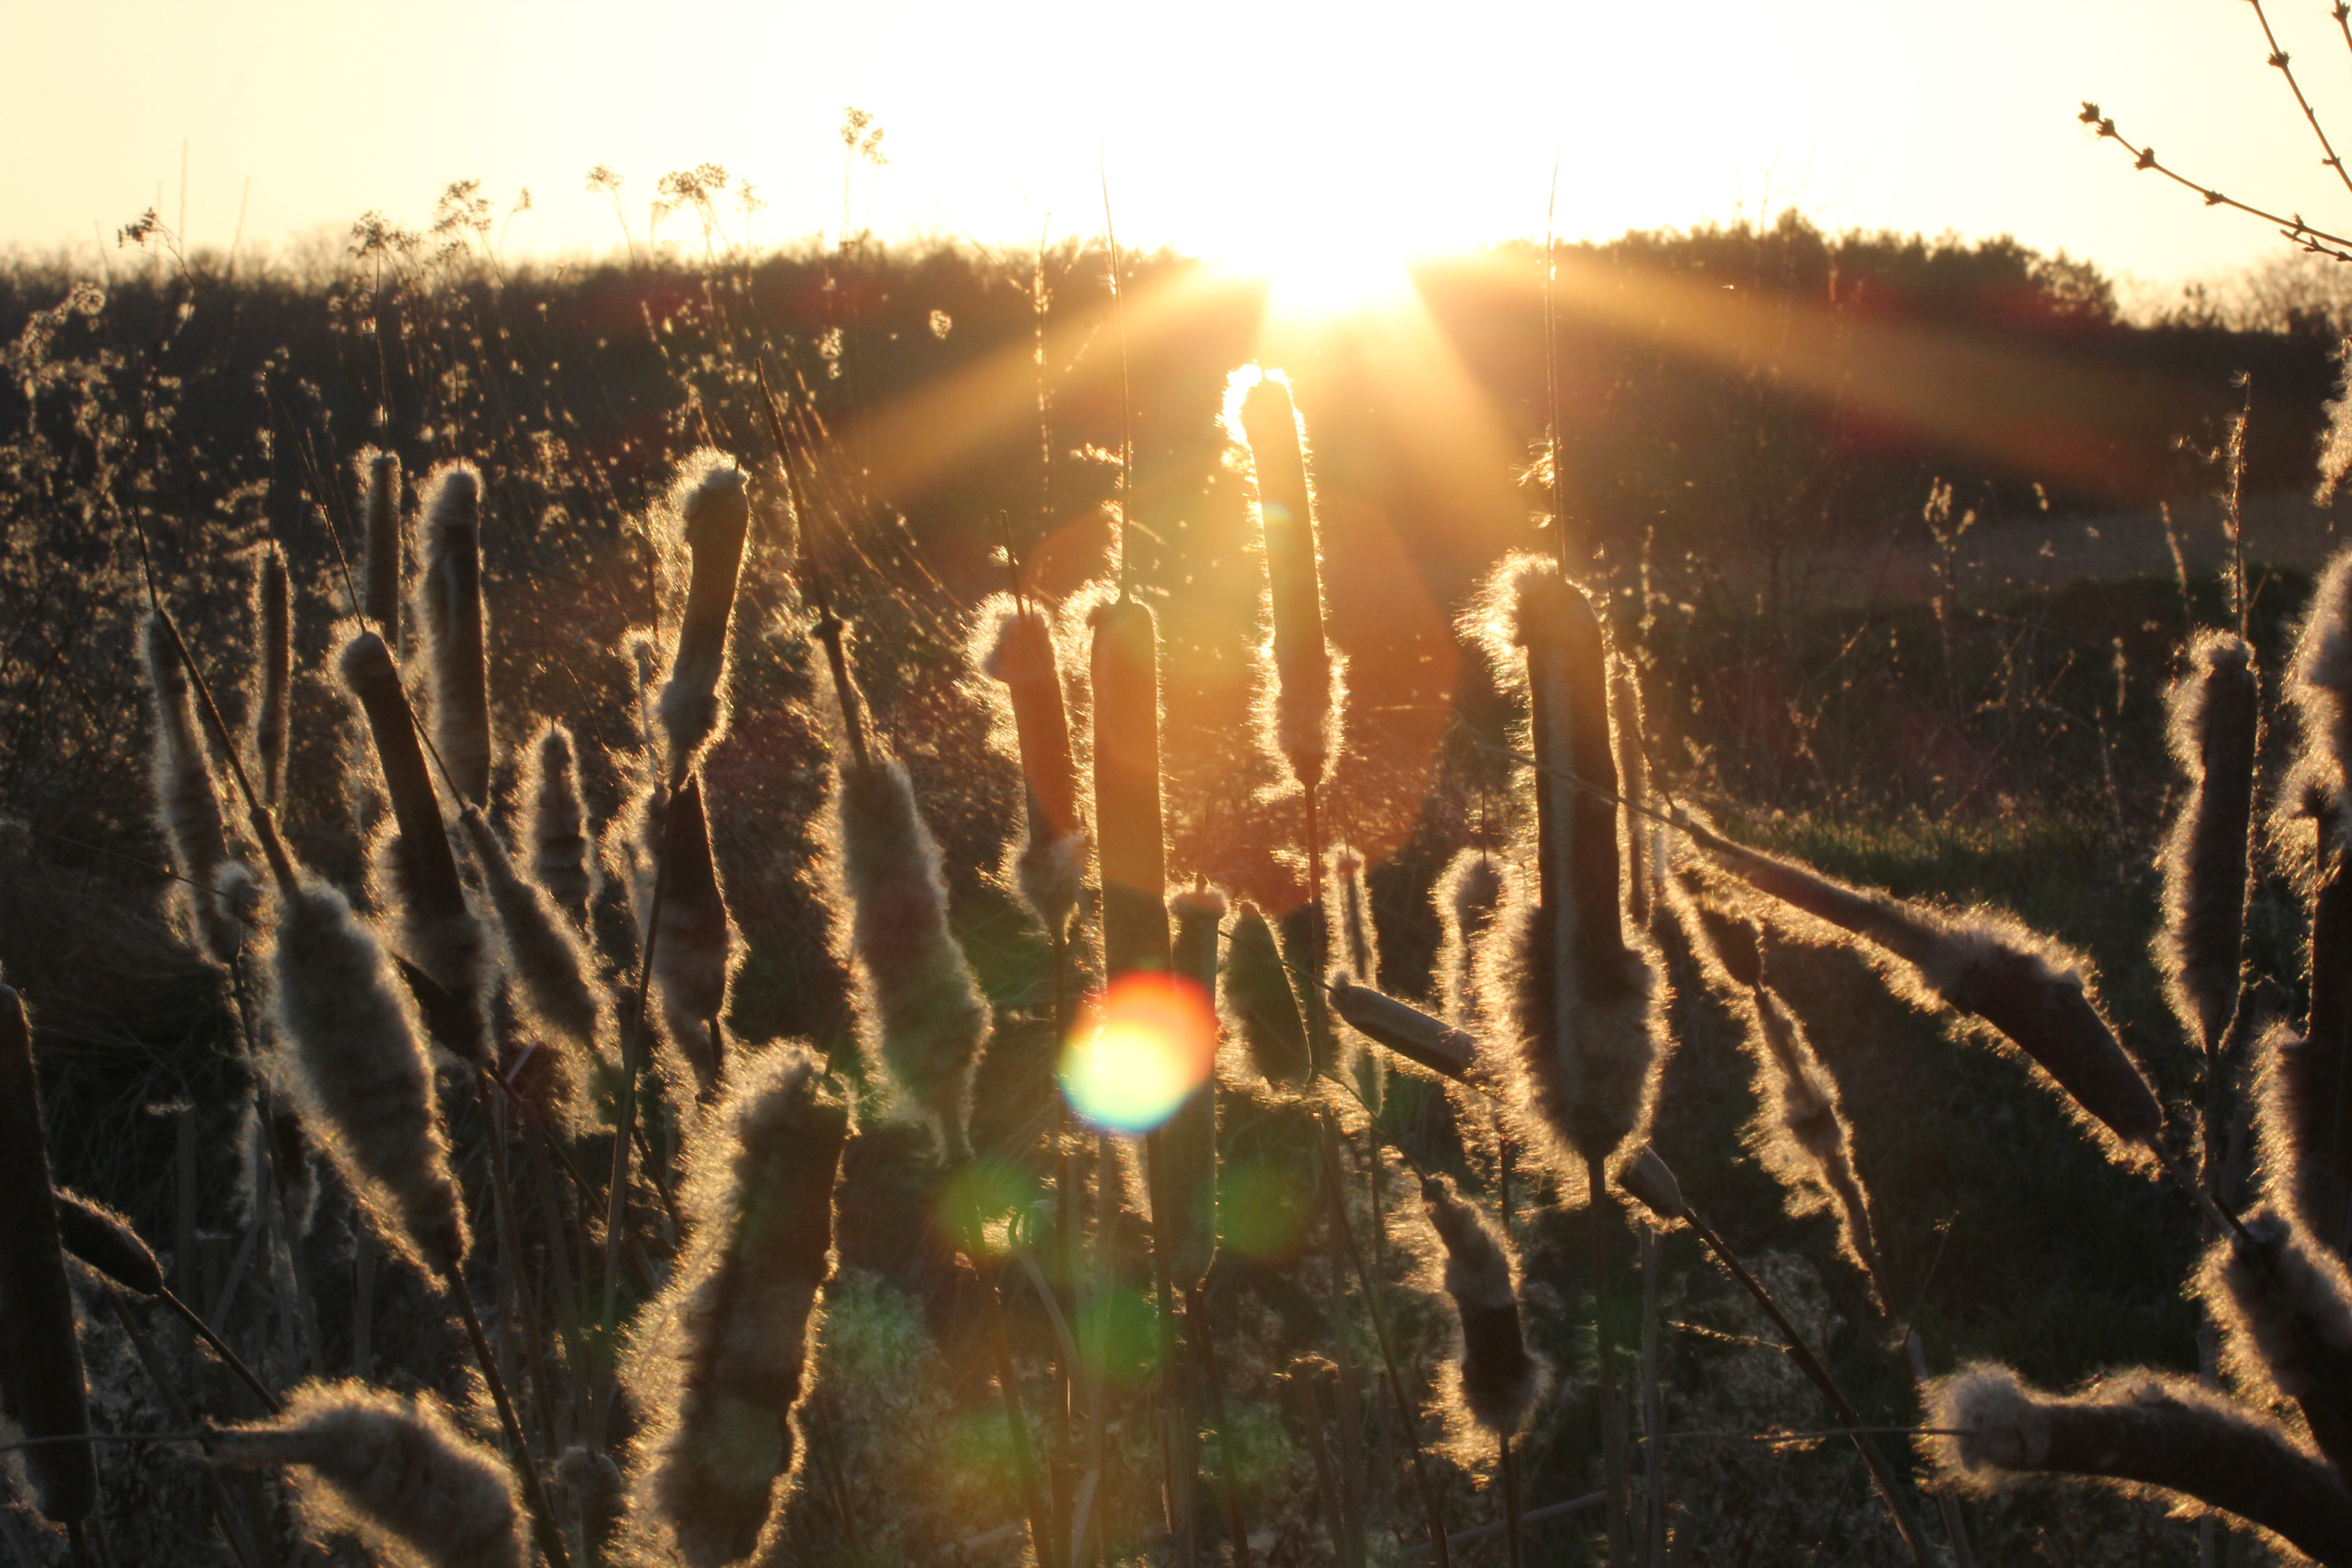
1008 1388
1433 1507
1514 1512
836 1478
1175 1423
229 1358
616 1196
1310 1411
1654 1451
1615 1480
1197 1330
233 1524
1955 1531
510 1246
543 1518
1068 1202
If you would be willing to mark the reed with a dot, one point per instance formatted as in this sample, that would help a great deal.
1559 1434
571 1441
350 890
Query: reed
273 687
216 899
695 954
456 642
1264 1007
560 857
385 551
713 507
1015 644
1301 685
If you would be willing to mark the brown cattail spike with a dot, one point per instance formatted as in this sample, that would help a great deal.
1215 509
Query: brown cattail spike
1259 997
380 592
1188 1140
1128 825
1466 894
456 634
41 1385
560 862
1650 1183
1014 644
1301 712
218 898
555 980
1405 1029
107 1243
273 697
715 518
2216 729
1633 772
697 945
395 1472
719 1371
1499 1377
2286 1304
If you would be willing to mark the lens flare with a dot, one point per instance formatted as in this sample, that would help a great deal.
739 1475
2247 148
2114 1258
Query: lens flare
1150 1042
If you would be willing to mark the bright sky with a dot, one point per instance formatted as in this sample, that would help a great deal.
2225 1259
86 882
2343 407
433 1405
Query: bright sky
1243 128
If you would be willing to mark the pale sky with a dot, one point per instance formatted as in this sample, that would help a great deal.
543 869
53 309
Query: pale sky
1225 128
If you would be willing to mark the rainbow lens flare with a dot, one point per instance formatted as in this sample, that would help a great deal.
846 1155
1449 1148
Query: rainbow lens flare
1148 1045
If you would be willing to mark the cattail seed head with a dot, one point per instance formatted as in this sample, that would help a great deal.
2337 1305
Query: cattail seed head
1466 894
1405 1029
1301 688
107 1243
1348 915
220 896
2215 722
923 1004
41 1385
379 591
2285 1305
1634 775
561 861
1499 1378
714 511
457 661
716 1368
1129 826
273 695
1264 1007
695 949
2319 680
395 1472
360 1076
1188 1139
1014 644
1649 1181
555 984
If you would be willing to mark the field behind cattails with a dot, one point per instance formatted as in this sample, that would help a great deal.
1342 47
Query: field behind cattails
797 894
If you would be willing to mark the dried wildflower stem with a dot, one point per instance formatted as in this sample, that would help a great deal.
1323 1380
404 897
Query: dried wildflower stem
1432 1505
544 1528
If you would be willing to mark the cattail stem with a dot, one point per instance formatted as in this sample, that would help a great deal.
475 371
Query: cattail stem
1654 1411
1016 1426
616 1195
1229 1469
264 827
1310 1411
1433 1506
543 1526
1955 1531
853 713
1615 1480
1514 1514
1176 1425
233 1524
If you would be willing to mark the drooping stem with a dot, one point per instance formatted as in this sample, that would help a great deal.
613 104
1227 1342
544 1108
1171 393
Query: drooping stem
543 1525
229 1358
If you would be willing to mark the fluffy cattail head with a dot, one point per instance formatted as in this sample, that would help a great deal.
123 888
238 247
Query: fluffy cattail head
1264 1007
716 1368
219 899
1188 1139
555 986
1300 697
560 862
380 587
920 997
2216 730
1348 915
41 1385
1129 827
1014 645
1634 775
395 1472
2319 681
107 1243
2285 1305
1466 894
273 687
360 1075
714 512
695 949
455 632
1499 1378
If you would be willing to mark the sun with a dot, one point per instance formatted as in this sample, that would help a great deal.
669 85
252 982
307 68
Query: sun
1327 276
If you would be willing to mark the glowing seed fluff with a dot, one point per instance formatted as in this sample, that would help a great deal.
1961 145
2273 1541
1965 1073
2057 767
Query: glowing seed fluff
456 637
107 1243
1355 944
273 695
1498 1375
218 895
1129 827
554 979
1258 995
361 1076
379 591
437 931
395 1472
919 994
1188 1140
1579 1003
2285 1304
2216 727
1015 644
717 1368
1633 773
41 1386
560 862
697 946
715 515
2320 684
1466 894
1300 697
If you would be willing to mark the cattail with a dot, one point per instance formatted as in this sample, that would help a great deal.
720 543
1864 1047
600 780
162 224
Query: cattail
273 697
926 1007
560 858
1129 825
1499 1378
1650 1182
2142 1429
1582 1004
1633 772
715 517
697 945
2286 1304
717 1371
438 931
555 981
107 1243
2215 723
381 590
596 1486
1466 894
1405 1029
2319 682
1188 1139
1264 1008
2033 991
362 1079
219 897
2295 1117
1347 901
1015 644
395 1472
41 1385
456 663
1300 691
